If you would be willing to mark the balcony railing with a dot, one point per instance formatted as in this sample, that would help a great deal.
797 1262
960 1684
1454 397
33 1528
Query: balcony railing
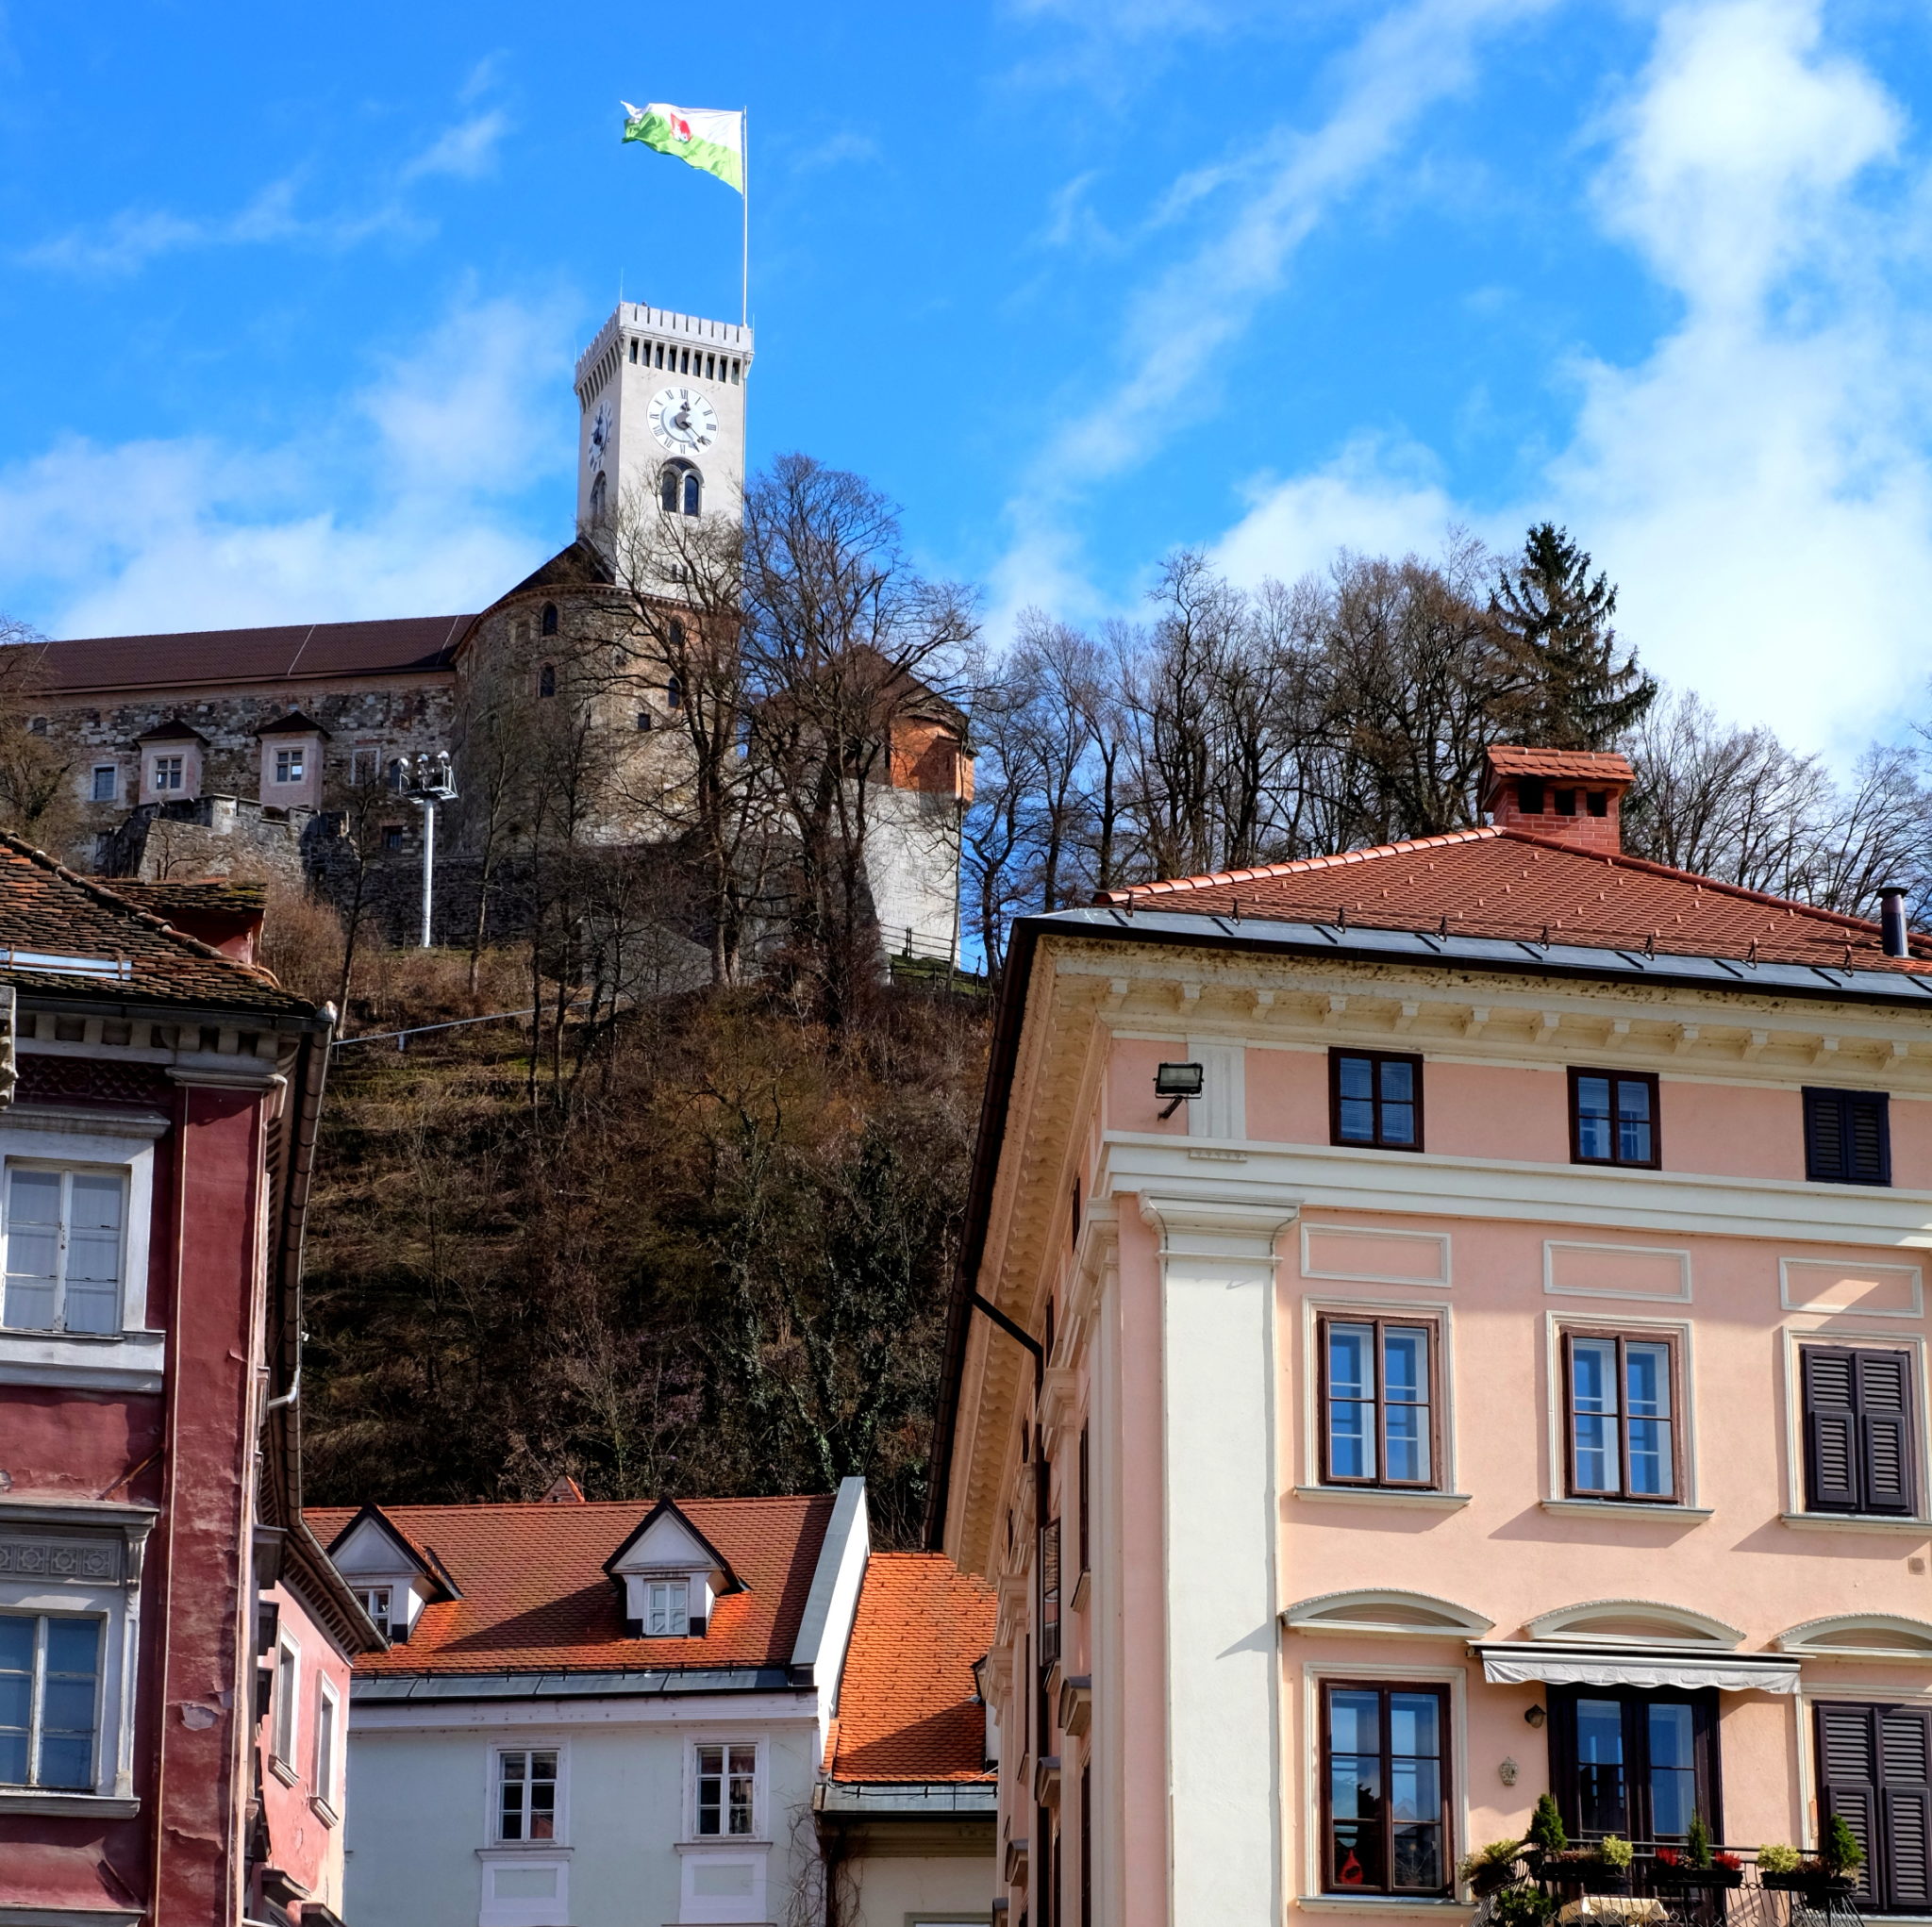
1656 1892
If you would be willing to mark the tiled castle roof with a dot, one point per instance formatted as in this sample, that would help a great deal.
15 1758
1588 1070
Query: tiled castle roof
907 1710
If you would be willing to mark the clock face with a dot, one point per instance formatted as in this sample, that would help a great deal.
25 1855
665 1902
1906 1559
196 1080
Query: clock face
600 437
683 420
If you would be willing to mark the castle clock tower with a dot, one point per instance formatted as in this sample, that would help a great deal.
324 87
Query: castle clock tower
660 400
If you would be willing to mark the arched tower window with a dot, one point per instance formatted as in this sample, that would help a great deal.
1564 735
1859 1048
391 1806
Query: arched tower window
693 492
674 693
667 490
546 680
675 633
680 489
549 622
597 498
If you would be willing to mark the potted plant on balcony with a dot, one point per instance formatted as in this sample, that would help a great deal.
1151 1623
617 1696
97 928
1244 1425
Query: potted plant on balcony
1695 1864
1829 1875
1490 1868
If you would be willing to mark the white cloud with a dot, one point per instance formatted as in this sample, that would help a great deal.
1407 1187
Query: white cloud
1370 498
153 536
466 151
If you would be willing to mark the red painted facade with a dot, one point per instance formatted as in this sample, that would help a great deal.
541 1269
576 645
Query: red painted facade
149 1482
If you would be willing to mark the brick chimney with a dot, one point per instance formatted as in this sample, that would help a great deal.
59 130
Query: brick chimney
1570 796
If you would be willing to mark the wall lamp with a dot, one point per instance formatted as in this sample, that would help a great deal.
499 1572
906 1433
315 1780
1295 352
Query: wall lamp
1535 1715
1180 1083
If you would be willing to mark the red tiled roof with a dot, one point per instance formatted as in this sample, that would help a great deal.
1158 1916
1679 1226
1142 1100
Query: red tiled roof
907 1711
1579 765
1506 882
49 910
536 1596
301 650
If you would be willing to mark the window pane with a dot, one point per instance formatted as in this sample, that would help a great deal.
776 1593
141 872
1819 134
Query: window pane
92 1300
1405 1418
1672 1770
1594 1405
1600 1799
1593 1116
1398 1123
33 1248
1418 1856
1351 1389
1648 1382
1398 1083
1413 1719
16 1695
1355 1722
1633 1120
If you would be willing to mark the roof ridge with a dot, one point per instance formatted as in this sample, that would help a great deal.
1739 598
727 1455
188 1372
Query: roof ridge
1300 866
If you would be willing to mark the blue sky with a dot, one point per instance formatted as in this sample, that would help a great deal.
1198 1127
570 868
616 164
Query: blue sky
288 299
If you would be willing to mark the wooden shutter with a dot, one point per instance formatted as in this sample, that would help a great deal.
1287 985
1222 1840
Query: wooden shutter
1825 1135
1904 1879
1868 1152
1832 1448
1885 1421
1848 1776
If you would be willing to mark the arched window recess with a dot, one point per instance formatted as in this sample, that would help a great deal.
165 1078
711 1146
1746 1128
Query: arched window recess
680 489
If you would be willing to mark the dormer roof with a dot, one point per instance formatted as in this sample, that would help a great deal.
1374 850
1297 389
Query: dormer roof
373 1523
665 1540
294 723
535 1591
172 730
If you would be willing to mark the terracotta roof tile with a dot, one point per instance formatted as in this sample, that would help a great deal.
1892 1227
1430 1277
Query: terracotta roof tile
536 1596
47 910
301 650
1510 884
1579 765
907 1710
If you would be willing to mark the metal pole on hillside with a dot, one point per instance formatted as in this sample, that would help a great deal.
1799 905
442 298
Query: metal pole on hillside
434 784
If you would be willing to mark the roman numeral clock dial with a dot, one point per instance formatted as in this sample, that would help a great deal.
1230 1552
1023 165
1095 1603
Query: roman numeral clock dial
683 421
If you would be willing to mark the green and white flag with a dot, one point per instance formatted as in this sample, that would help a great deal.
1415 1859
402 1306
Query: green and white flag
707 138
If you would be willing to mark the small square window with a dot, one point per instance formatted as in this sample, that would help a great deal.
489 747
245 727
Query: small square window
290 764
1375 1098
1614 1117
105 782
170 773
365 767
1847 1137
391 836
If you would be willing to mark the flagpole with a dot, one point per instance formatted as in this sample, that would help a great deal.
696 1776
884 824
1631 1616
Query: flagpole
744 166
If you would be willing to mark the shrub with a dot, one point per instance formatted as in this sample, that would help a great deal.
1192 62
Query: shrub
1547 1826
1840 1851
1778 1859
1522 1907
1697 1842
1615 1852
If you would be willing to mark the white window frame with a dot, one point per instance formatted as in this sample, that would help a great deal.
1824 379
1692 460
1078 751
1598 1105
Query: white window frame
291 763
70 1590
1304 1802
365 765
1688 1503
1446 1493
1797 1336
172 767
66 1171
325 1786
677 1606
761 1832
38 1616
365 1597
492 1820
285 1706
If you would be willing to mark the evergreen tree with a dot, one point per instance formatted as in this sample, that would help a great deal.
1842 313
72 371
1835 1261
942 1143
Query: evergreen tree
1578 694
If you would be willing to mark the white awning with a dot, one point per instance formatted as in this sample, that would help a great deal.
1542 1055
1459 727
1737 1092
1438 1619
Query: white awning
1728 1673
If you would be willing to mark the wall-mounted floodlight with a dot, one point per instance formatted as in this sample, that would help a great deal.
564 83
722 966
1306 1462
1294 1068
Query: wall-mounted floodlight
1178 1084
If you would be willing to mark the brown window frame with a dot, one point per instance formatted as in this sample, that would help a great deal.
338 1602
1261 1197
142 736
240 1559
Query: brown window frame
1623 1335
1337 1053
1654 1161
1381 1321
1325 1753
1707 1757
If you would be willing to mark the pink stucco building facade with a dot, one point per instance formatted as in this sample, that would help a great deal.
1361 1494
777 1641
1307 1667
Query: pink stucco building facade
1508 1373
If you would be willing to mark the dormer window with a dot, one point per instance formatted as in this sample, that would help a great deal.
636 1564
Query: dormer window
667 1609
374 1601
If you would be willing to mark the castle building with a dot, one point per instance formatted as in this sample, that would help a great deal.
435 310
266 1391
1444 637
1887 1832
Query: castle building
234 750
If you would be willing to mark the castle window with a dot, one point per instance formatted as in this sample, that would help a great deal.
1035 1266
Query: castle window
693 492
365 767
676 634
661 354
546 680
633 354
597 499
288 766
644 719
711 368
674 693
169 772
549 619
391 836
667 491
103 782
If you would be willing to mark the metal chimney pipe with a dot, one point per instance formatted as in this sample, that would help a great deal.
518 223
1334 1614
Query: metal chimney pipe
1892 921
